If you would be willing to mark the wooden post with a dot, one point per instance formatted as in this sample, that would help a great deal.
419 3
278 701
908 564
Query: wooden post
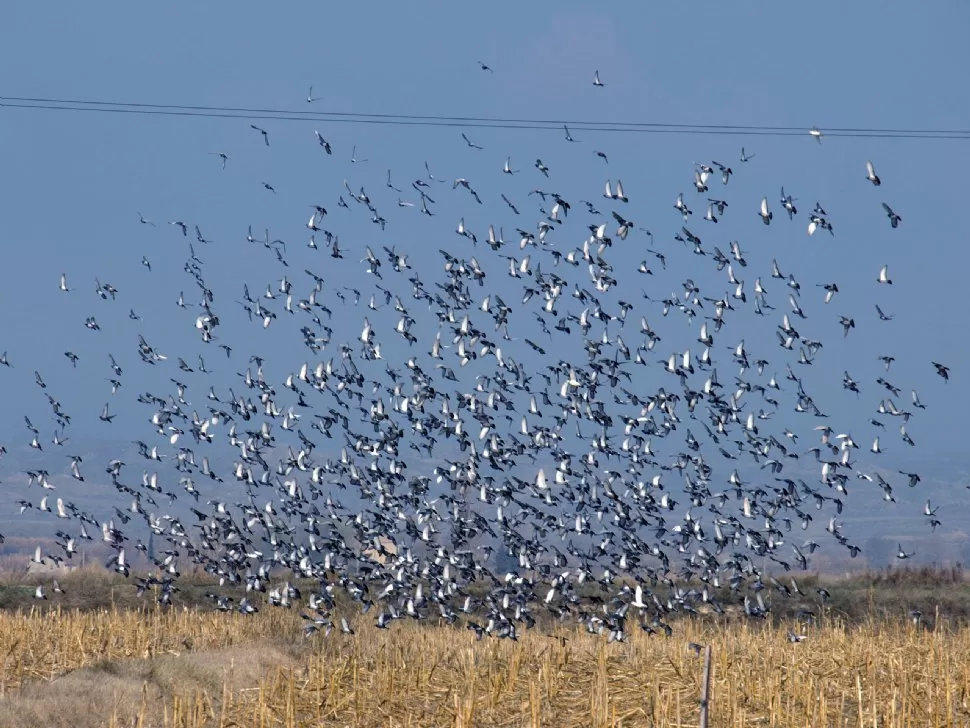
706 687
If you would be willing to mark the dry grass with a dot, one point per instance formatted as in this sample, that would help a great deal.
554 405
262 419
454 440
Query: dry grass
189 669
171 689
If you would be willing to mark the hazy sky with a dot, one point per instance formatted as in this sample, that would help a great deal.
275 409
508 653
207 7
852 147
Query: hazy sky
74 183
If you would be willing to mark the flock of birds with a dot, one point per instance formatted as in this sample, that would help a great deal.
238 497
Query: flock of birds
394 465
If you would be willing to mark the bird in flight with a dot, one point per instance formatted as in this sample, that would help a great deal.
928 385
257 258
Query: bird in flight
871 174
223 156
894 219
261 131
764 212
469 142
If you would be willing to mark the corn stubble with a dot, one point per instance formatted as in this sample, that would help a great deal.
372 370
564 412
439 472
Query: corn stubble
875 674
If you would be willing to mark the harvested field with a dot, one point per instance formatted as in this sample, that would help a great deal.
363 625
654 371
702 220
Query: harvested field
188 668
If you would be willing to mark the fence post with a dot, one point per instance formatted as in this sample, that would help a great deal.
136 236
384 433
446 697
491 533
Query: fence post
706 687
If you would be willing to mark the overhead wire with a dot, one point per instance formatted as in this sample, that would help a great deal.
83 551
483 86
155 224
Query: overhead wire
440 120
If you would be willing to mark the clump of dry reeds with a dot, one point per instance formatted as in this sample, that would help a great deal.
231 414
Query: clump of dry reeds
193 669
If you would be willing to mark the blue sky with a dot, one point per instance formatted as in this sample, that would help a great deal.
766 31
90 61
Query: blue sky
74 183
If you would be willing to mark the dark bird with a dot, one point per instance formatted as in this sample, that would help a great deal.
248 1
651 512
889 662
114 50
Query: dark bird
261 131
894 219
469 142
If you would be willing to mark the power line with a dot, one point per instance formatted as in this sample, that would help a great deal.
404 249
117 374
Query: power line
229 112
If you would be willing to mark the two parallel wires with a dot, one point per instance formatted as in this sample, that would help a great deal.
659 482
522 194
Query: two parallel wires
478 122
